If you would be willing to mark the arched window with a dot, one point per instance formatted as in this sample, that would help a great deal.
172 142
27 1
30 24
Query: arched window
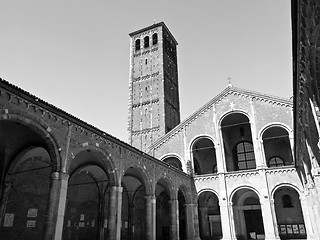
146 42
154 39
137 44
286 201
277 148
245 156
276 162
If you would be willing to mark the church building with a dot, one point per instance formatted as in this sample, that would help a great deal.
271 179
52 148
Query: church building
243 166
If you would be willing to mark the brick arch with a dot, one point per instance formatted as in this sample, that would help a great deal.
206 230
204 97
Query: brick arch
102 159
145 177
169 186
18 160
48 137
186 193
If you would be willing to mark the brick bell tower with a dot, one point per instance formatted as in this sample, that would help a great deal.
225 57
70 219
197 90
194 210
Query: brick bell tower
153 86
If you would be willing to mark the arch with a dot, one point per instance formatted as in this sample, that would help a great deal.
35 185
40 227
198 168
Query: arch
276 143
203 155
165 181
209 215
236 128
42 131
95 156
144 177
274 124
164 195
173 160
243 187
248 220
208 190
85 202
27 192
288 211
186 192
286 185
227 113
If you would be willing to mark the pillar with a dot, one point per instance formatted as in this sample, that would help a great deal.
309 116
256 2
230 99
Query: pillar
232 221
5 189
56 206
225 223
119 208
192 222
269 229
150 217
112 218
306 218
174 219
274 217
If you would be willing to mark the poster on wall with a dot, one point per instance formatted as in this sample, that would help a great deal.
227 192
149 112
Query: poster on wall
301 228
289 229
295 229
31 223
283 229
32 212
8 220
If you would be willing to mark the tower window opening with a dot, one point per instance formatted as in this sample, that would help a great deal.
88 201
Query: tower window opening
146 42
137 44
154 39
146 61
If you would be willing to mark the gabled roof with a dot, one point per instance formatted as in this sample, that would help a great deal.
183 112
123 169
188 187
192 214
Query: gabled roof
227 91
152 27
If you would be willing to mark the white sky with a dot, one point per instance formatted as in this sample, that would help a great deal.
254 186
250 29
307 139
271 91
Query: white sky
74 54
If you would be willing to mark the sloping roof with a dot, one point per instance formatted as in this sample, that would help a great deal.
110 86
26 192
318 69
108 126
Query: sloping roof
227 91
154 26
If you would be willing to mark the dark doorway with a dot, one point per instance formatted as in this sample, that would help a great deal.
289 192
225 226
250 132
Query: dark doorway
254 223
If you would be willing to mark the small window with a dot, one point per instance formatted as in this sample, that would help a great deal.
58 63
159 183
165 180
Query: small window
146 61
146 42
276 162
154 39
137 44
286 201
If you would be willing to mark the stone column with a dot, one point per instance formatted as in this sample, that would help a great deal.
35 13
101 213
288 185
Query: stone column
269 229
232 221
150 217
202 212
225 223
5 189
56 206
306 217
192 222
274 217
119 208
112 218
174 204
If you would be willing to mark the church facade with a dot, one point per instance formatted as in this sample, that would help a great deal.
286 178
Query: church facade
243 166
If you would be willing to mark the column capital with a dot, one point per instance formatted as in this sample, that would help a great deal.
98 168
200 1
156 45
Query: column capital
59 176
